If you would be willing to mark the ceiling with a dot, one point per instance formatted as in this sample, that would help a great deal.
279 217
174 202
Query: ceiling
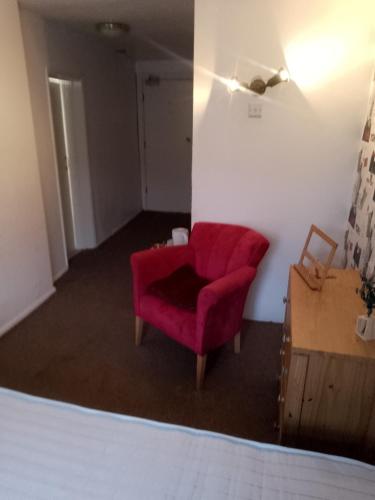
158 28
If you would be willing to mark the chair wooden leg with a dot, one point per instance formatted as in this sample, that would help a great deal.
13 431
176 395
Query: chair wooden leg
138 330
201 366
237 343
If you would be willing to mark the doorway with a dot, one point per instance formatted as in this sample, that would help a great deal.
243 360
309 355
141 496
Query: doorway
68 117
167 156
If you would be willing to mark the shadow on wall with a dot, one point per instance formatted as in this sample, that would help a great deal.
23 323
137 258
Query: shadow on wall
318 54
233 60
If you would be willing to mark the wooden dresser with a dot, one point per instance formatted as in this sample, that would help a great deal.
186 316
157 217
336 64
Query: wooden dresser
327 382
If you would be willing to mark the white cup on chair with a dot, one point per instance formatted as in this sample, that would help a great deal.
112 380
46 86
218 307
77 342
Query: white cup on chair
180 236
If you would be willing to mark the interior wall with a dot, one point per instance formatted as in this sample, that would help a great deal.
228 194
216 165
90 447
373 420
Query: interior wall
292 167
25 272
111 117
360 236
36 62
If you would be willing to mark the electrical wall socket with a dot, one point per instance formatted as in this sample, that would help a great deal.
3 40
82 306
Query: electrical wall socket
255 110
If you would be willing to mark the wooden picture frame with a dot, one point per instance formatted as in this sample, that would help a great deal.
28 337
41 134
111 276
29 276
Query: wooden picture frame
316 274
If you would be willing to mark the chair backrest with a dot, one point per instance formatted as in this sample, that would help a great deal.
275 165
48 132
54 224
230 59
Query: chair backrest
222 248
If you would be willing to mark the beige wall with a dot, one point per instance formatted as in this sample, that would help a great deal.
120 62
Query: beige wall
25 273
36 61
292 167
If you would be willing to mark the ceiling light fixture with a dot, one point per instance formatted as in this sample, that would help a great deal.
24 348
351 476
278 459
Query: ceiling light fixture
258 85
112 29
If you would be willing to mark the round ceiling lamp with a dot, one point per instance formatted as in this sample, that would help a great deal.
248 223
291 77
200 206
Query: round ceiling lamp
112 29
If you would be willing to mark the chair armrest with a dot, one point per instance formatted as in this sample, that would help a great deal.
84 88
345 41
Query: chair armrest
211 294
220 308
156 263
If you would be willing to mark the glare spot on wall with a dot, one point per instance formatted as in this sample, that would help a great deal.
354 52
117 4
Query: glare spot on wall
328 50
311 62
201 96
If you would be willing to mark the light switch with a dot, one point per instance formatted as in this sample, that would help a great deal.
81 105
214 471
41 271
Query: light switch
255 110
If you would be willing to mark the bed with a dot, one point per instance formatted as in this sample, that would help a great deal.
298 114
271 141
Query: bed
53 450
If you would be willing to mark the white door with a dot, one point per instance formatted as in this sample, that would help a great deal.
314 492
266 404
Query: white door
167 115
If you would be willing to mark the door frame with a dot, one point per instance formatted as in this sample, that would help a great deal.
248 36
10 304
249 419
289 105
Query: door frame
164 70
57 179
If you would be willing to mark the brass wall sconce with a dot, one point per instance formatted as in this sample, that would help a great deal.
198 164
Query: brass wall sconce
258 85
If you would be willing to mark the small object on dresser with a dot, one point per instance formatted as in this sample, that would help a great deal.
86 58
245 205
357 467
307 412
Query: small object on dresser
365 327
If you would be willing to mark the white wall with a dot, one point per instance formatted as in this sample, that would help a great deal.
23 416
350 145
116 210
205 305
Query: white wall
179 68
111 117
36 62
294 166
25 273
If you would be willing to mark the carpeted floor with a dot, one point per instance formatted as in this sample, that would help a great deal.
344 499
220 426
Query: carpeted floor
79 347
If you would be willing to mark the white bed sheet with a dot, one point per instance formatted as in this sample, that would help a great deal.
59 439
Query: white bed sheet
52 450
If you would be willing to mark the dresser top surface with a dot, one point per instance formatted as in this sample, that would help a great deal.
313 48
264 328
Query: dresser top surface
325 321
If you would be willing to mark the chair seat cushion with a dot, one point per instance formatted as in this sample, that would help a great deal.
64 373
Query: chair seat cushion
180 288
179 324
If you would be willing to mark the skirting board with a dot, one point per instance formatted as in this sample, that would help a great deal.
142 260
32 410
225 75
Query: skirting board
27 311
60 273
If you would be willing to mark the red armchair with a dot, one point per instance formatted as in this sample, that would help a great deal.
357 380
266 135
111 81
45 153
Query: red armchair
215 271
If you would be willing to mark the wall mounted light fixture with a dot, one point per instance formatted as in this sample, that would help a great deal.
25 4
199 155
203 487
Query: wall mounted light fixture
258 85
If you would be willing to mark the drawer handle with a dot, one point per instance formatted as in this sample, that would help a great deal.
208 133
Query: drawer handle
285 338
282 352
284 371
281 399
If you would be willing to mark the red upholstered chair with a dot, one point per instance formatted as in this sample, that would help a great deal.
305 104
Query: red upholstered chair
196 293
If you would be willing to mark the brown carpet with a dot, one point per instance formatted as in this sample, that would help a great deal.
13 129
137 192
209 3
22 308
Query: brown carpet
79 347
